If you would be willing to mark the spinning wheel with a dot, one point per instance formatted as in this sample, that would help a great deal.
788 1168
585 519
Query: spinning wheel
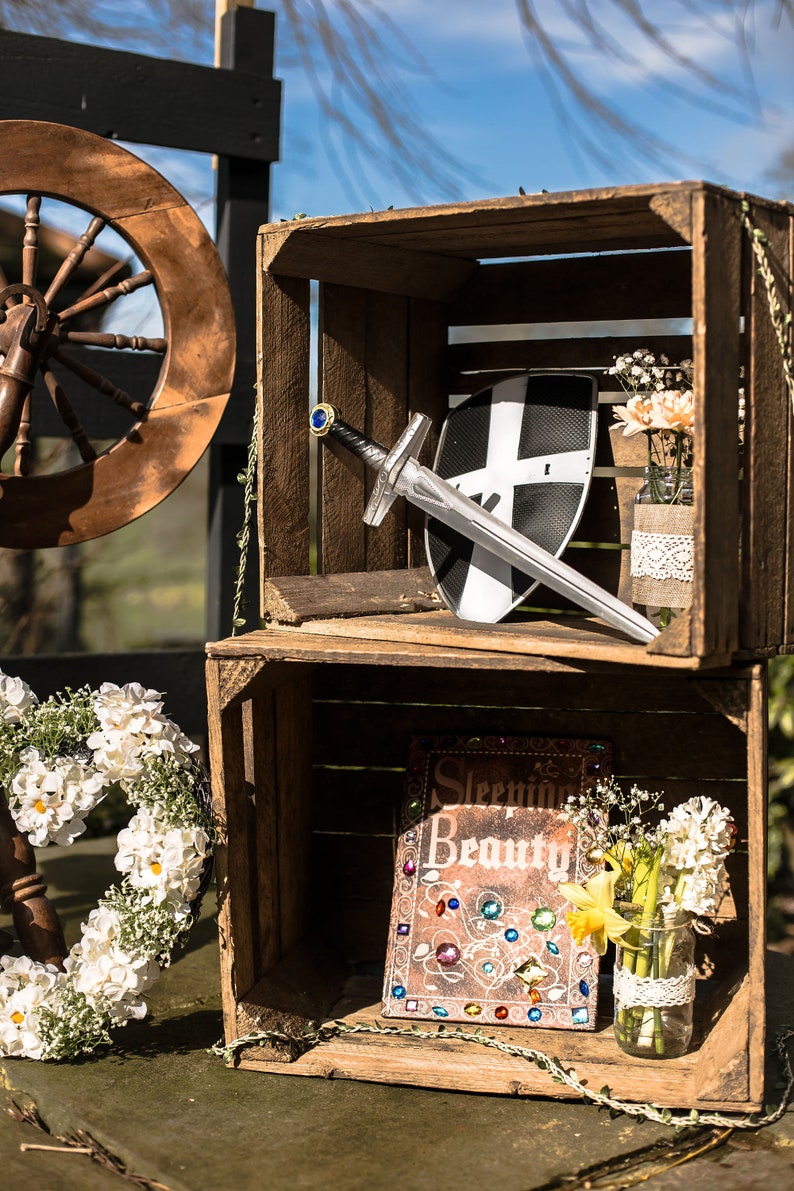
170 427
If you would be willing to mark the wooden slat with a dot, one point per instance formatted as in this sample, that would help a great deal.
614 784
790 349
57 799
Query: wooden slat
579 289
132 97
757 810
261 775
715 285
304 252
361 801
427 394
283 388
594 353
765 500
708 747
343 331
387 416
293 729
293 599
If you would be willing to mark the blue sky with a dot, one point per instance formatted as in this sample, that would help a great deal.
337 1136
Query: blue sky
485 102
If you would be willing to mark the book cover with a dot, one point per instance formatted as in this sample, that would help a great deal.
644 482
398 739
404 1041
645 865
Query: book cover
477 932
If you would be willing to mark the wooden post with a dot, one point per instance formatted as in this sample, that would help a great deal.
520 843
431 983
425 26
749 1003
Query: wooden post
246 38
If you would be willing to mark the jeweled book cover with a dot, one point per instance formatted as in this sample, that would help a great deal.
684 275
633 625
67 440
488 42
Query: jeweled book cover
477 932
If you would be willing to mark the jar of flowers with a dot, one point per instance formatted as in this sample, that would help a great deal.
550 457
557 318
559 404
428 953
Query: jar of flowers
660 406
658 881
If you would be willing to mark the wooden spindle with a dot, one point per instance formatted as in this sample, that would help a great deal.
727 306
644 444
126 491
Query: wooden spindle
100 383
30 243
106 296
23 445
68 416
22 894
74 258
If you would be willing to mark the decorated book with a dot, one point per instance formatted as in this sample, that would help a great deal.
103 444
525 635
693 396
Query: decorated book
477 932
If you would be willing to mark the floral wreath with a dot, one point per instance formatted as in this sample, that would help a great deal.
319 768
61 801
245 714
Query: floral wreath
58 760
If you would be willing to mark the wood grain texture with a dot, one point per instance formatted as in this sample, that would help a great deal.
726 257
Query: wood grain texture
293 599
386 416
765 488
293 732
283 397
716 278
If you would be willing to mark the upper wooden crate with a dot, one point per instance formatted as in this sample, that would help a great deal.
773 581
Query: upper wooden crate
416 307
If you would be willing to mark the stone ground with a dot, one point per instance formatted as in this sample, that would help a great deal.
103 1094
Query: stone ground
159 1111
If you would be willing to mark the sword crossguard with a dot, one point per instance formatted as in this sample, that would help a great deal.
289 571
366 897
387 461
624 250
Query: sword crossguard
383 494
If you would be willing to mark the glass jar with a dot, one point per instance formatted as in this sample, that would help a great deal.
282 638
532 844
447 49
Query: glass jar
662 543
654 986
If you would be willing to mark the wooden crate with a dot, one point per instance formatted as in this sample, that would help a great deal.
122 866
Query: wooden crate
415 307
308 740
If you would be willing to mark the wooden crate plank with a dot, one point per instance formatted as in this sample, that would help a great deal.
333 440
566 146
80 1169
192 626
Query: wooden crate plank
706 746
293 599
283 448
716 291
765 503
427 394
343 338
386 545
261 774
359 801
595 353
293 731
575 289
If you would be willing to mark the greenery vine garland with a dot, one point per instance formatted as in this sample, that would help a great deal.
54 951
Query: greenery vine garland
58 760
558 1073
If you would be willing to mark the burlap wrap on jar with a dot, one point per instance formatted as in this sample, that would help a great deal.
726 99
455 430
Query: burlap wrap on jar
662 555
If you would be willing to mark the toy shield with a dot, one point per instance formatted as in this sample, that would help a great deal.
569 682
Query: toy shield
524 451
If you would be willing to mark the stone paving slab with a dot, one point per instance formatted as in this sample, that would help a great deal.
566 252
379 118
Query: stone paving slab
174 1114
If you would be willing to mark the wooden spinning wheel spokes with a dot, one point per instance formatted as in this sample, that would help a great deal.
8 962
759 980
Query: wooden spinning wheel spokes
40 334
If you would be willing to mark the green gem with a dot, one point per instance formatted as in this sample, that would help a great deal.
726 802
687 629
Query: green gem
414 807
491 909
543 918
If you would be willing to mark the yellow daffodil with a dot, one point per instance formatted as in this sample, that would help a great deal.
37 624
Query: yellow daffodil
594 914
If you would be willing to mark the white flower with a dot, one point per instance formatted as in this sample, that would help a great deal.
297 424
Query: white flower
15 697
698 837
168 861
132 730
103 972
49 799
26 988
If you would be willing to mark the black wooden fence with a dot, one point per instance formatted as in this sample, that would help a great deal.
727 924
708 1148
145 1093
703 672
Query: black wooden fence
232 112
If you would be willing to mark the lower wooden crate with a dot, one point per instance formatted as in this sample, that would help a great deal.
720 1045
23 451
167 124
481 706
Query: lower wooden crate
308 738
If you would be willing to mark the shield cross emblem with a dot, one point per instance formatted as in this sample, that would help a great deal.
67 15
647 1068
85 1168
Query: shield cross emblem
524 451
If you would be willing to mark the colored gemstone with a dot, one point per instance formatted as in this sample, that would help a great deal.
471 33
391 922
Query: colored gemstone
319 418
595 855
440 907
473 1009
584 988
511 934
534 996
564 744
552 947
584 960
447 954
403 928
440 1011
414 807
534 1014
398 991
453 903
531 972
543 918
580 1017
473 742
593 767
491 908
487 967
425 742
412 1006
501 1012
409 868
410 837
596 748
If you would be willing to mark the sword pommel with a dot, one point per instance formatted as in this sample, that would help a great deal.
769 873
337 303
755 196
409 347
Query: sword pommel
325 422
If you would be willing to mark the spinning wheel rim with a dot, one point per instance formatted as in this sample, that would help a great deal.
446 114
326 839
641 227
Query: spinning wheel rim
156 453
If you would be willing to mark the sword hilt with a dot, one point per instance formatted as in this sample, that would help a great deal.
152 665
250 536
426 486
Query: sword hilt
324 420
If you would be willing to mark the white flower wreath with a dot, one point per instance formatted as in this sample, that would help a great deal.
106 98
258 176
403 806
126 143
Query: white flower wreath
58 759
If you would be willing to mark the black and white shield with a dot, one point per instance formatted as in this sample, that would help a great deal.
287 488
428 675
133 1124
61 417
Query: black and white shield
524 451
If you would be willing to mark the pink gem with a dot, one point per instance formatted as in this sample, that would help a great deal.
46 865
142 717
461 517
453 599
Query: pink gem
409 868
447 954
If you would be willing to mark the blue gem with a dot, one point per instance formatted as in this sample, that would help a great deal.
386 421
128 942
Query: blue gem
440 1011
584 988
403 928
596 748
398 991
580 1017
511 935
453 903
552 947
534 1015
491 909
487 967
319 418
410 837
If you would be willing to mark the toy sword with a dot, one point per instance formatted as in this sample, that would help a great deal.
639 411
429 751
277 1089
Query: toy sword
400 474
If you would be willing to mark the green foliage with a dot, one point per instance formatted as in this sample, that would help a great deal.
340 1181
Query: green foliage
59 726
781 767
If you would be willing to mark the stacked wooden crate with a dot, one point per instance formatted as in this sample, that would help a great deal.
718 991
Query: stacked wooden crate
310 717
